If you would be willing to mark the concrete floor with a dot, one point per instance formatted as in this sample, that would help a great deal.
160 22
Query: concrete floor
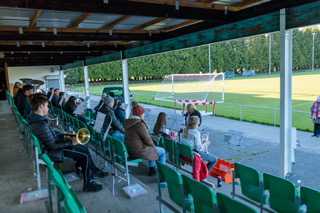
259 148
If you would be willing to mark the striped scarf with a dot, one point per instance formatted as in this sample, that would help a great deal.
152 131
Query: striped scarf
315 109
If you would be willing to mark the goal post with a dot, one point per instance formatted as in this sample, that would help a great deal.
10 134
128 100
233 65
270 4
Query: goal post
199 89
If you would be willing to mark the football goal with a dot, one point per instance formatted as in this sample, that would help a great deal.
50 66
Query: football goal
199 89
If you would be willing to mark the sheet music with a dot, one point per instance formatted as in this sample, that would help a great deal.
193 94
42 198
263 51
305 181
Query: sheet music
60 102
80 109
99 122
175 122
51 96
86 99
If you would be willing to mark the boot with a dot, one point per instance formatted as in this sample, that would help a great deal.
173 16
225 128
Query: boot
152 171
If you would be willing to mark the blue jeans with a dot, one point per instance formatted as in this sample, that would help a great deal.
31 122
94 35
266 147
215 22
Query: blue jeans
118 135
210 158
161 155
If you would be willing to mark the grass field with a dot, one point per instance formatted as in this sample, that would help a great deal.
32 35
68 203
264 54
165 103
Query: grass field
257 91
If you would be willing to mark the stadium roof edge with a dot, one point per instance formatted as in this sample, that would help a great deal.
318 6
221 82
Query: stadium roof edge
299 16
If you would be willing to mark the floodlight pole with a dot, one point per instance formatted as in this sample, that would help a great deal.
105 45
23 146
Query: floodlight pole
270 40
313 35
209 53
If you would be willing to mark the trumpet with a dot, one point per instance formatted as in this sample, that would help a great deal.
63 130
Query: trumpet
82 136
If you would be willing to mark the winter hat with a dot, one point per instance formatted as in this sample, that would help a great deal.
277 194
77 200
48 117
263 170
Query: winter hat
137 109
108 99
103 96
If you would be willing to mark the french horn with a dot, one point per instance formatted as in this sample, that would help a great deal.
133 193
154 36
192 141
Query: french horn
82 136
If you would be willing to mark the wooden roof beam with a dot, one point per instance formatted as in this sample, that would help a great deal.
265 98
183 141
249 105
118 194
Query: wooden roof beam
73 30
116 22
40 36
247 3
126 7
192 4
152 22
79 20
71 43
60 48
177 26
35 18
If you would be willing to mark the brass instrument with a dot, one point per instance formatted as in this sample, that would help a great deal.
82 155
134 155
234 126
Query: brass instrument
82 136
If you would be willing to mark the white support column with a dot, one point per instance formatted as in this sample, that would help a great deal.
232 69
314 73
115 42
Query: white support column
125 77
285 95
86 84
62 82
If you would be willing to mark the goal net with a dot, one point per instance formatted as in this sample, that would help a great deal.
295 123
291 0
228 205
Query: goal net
198 88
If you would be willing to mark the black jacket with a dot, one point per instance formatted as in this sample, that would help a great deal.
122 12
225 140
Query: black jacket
115 124
23 105
195 113
50 143
70 107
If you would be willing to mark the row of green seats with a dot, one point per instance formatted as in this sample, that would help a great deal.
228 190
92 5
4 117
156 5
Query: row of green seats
193 196
31 143
66 194
283 196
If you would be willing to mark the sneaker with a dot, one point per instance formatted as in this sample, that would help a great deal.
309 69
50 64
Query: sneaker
152 171
79 172
99 174
92 187
314 135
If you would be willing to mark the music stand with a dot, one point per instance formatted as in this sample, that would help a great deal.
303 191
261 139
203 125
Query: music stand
175 122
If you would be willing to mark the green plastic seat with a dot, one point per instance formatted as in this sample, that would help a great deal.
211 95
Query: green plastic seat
204 198
120 155
48 162
172 149
283 195
227 204
175 189
251 183
310 197
73 204
65 194
185 151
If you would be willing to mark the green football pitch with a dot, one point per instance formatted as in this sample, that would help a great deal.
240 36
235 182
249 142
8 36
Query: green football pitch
253 99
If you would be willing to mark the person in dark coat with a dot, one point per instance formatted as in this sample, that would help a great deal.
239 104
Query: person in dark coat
57 147
138 141
192 111
116 129
50 94
22 103
120 111
71 106
62 100
55 97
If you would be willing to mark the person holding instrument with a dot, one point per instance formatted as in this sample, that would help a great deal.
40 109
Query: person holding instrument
56 147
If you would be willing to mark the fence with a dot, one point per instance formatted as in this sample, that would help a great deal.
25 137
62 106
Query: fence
263 115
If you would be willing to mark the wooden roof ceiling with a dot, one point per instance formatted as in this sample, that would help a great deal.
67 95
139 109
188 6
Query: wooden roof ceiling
39 32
